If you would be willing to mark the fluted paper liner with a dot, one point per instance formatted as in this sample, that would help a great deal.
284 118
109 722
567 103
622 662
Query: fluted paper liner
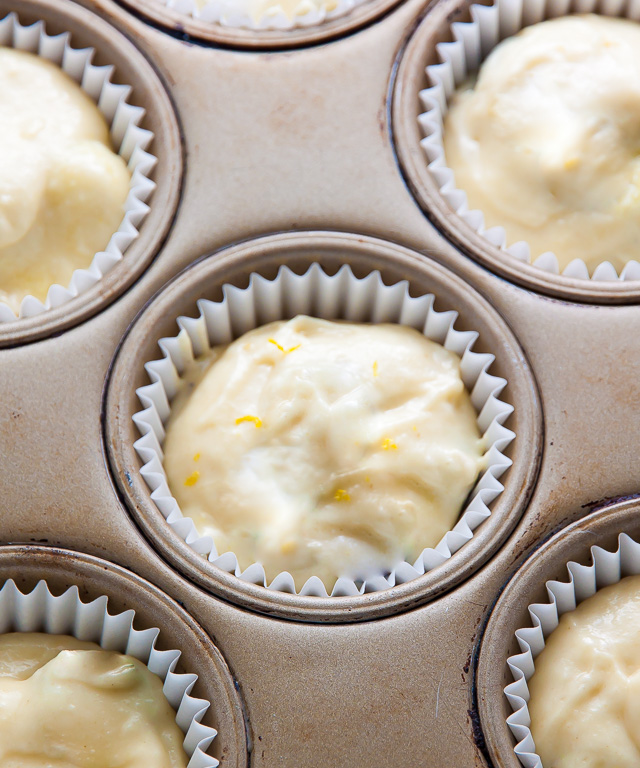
473 41
127 136
341 296
228 14
584 581
41 611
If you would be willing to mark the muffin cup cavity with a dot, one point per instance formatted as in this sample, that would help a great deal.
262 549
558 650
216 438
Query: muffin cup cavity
219 22
40 610
339 296
607 567
227 13
380 284
129 139
471 42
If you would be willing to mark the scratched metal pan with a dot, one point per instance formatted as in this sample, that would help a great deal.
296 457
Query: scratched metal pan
280 141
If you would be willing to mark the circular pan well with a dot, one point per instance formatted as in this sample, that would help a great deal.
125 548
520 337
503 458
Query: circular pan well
61 569
132 68
262 39
298 251
510 613
420 52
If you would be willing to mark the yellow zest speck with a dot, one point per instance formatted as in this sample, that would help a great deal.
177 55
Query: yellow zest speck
571 163
389 445
415 429
253 419
192 479
287 547
341 495
367 479
375 367
196 457
282 349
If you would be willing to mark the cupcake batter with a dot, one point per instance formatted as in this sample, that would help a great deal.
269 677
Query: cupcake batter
585 692
546 143
65 702
324 448
264 9
62 188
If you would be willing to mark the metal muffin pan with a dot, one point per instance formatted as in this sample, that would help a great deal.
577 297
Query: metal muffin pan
301 140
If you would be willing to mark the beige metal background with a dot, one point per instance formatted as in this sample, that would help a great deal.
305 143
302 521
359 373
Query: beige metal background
278 141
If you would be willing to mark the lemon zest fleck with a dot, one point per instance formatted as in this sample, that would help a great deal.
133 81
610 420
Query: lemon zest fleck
282 349
341 495
367 479
287 547
389 445
192 479
197 457
375 367
253 419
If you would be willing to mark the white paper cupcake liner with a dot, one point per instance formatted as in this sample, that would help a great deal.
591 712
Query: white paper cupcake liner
130 140
584 581
341 296
228 13
473 41
41 611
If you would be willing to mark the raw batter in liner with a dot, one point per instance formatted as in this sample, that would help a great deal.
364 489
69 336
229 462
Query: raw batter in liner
261 9
70 704
585 691
546 143
62 188
323 448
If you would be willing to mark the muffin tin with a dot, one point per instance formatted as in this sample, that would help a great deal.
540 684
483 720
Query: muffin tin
313 142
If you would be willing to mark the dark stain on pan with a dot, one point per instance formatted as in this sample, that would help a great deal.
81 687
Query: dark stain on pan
607 501
476 731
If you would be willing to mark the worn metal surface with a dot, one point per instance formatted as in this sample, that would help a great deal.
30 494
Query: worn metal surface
291 140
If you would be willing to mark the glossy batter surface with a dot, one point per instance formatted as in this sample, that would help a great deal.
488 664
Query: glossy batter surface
65 703
261 9
62 188
547 142
324 448
585 692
